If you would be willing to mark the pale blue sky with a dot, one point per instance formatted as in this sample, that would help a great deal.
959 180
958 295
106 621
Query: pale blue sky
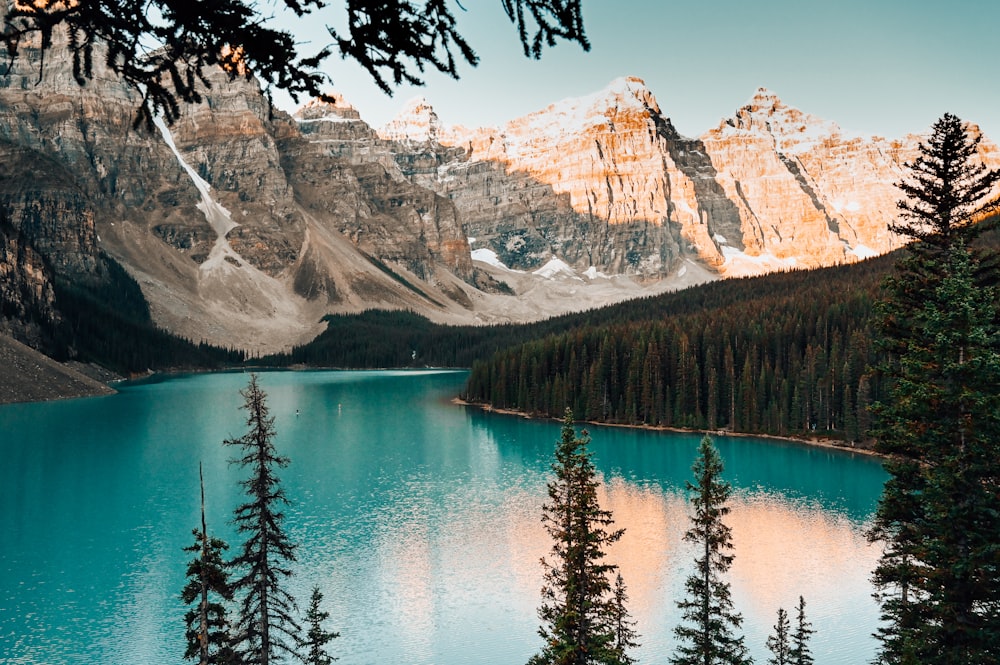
885 67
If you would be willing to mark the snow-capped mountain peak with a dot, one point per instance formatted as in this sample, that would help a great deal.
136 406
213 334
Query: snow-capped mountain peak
416 122
319 109
791 129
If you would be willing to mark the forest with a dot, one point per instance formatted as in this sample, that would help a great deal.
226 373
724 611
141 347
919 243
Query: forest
782 354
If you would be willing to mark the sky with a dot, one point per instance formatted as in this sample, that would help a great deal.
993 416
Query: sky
884 67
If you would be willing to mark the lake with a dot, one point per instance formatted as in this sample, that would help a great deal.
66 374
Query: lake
418 519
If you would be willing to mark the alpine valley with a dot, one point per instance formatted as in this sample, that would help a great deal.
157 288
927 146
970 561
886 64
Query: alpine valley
243 226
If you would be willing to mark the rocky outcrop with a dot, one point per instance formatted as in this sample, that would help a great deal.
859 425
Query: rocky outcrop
204 214
27 297
605 181
342 169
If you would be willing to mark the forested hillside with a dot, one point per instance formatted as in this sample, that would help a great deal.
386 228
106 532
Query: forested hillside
782 354
404 339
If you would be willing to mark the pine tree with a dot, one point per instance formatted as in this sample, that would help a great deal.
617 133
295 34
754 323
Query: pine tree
939 575
626 638
778 642
799 654
312 649
708 638
266 626
576 609
208 630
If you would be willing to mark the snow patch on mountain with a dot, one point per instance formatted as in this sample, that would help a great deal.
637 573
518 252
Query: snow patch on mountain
556 268
738 263
861 251
417 122
489 257
218 217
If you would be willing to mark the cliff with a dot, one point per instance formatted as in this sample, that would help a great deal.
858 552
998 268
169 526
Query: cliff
605 181
243 225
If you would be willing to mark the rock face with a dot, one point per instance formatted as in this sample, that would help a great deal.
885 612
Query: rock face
808 194
27 297
605 181
241 228
244 226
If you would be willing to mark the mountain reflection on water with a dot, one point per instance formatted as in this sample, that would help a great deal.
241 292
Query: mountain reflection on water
418 519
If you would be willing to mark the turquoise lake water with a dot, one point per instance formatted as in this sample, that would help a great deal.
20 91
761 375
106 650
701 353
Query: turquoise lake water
418 519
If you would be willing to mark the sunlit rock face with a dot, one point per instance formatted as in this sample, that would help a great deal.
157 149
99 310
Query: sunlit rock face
807 193
606 181
583 179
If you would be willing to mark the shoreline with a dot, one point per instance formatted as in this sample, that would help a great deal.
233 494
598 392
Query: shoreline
827 443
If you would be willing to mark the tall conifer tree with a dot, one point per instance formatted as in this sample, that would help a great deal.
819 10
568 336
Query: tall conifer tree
708 636
778 642
208 630
577 603
622 623
313 645
800 653
266 625
939 575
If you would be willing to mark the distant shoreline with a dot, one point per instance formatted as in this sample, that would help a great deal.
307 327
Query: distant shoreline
830 444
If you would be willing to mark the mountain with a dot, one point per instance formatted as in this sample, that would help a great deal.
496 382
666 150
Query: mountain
243 226
605 181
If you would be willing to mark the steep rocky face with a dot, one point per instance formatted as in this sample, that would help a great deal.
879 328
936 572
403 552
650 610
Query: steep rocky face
27 297
228 139
342 169
808 194
586 180
606 181
204 214
72 156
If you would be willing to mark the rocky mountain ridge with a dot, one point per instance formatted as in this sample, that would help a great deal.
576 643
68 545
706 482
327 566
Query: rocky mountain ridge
770 188
243 226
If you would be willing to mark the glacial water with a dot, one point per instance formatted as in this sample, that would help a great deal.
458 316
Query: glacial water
417 518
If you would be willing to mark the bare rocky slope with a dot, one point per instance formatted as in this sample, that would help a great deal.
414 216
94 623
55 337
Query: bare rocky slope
243 226
29 376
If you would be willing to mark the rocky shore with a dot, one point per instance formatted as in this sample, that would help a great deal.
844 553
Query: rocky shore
865 448
28 376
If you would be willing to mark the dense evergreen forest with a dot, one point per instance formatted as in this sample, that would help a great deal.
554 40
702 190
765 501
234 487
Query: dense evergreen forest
380 338
108 323
782 354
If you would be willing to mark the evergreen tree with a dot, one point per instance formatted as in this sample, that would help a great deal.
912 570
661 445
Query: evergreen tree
778 642
312 649
799 654
938 579
626 637
208 630
266 626
576 608
708 637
